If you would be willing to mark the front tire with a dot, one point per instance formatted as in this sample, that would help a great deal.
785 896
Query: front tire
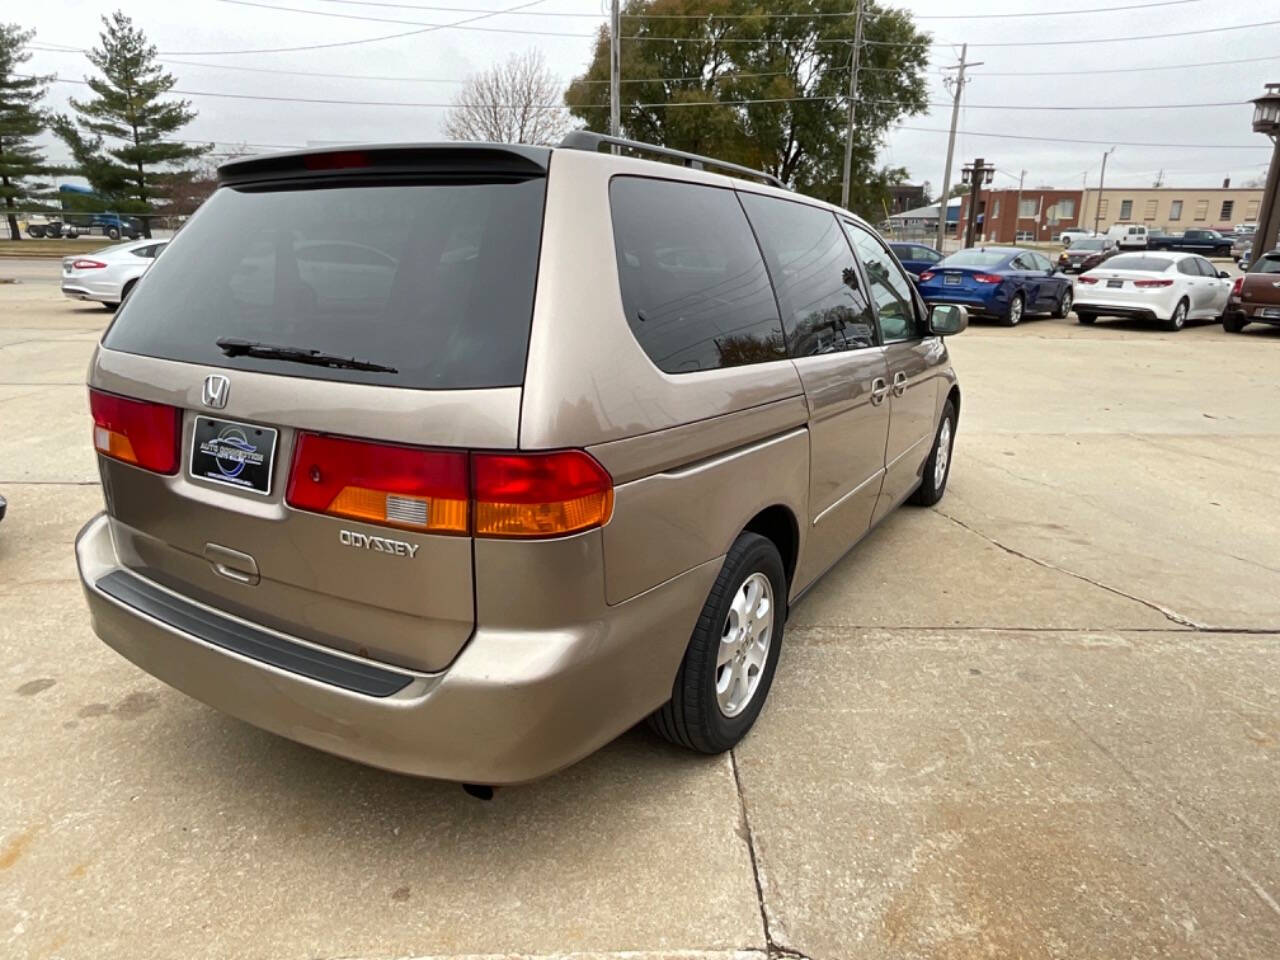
729 664
937 469
1179 318
1017 306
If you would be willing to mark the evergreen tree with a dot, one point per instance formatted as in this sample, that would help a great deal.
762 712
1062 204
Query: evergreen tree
21 162
119 137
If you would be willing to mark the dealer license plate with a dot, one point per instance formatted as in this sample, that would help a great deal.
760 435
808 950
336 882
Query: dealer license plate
239 455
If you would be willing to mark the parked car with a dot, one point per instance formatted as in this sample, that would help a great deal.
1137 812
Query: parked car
1002 283
1072 234
1209 243
1128 236
1240 243
585 432
1246 257
1170 288
1086 253
1255 296
915 257
110 274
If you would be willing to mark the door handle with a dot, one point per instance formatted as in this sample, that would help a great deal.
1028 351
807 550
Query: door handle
899 383
879 389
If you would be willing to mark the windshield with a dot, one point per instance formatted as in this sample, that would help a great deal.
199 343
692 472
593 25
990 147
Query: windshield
976 258
1139 262
1268 265
1090 244
434 280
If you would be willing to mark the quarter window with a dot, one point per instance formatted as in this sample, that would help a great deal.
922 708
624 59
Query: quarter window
824 306
694 287
895 303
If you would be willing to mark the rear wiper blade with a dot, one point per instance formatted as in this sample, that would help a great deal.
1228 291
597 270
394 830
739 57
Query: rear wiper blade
234 347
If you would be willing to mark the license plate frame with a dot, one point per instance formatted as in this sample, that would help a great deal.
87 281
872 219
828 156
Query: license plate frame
952 279
1114 284
1271 313
234 454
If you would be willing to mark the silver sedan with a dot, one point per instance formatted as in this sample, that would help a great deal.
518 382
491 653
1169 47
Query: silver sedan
107 275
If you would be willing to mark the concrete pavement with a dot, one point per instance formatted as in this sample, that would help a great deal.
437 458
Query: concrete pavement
1040 720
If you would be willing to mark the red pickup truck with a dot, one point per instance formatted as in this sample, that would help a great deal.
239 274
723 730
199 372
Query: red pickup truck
1255 296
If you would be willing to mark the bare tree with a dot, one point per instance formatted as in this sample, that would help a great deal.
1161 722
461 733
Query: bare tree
514 102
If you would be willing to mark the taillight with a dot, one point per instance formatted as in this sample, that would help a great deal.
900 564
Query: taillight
1087 279
338 160
1237 286
136 431
1153 283
987 278
87 264
539 494
927 275
398 486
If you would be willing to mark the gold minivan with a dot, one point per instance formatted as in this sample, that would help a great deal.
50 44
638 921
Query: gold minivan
459 460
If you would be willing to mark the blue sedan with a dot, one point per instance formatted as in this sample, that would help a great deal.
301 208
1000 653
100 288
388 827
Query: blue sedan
1003 283
915 258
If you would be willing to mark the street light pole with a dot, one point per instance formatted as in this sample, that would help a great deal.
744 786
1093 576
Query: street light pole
1017 207
615 69
975 175
1266 119
951 143
853 107
1102 177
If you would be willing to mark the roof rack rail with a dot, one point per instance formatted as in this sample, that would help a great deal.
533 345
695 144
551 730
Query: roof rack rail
592 142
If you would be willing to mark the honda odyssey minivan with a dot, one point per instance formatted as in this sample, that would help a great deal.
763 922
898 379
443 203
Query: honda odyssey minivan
459 460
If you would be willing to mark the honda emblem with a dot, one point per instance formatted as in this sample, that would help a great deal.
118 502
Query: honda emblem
216 390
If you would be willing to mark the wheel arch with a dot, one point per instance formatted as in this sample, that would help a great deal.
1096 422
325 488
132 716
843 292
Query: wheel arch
778 524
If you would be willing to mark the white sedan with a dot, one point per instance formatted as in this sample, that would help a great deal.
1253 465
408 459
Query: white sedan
107 275
1170 288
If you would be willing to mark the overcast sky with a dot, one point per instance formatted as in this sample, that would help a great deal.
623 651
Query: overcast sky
428 67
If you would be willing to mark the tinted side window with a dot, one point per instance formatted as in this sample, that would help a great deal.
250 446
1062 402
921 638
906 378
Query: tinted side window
1188 267
895 304
925 254
694 287
1023 261
824 306
1207 268
1041 262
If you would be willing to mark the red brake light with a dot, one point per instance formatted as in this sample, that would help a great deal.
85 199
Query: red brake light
409 487
539 494
1153 283
83 264
1237 286
1087 279
341 160
987 278
927 275
136 431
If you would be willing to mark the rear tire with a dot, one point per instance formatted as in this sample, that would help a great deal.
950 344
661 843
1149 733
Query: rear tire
127 289
1086 318
694 717
1179 318
1233 323
113 233
1064 305
1017 306
933 483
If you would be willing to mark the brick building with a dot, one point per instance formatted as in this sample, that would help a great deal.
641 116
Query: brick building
1043 216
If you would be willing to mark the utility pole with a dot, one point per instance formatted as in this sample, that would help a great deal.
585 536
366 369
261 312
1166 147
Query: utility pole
1102 179
951 141
853 107
1017 207
975 174
615 70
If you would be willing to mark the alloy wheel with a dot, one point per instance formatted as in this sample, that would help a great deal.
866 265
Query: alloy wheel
744 644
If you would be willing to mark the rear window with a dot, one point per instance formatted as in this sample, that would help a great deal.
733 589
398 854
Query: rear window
694 287
1139 262
1267 265
976 258
435 280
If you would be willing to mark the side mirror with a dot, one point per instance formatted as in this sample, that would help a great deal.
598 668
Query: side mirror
1223 275
947 319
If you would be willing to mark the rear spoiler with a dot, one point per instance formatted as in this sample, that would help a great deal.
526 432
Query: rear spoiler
397 162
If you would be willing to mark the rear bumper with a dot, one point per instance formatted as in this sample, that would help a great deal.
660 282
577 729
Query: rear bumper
514 706
82 290
1253 312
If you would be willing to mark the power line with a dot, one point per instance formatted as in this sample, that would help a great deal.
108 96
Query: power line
1168 66
1122 143
460 25
668 103
346 43
1129 39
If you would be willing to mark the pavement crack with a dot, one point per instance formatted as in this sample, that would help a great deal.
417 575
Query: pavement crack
1170 615
773 949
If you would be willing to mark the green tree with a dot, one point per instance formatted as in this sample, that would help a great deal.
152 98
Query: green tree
737 50
21 161
118 138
